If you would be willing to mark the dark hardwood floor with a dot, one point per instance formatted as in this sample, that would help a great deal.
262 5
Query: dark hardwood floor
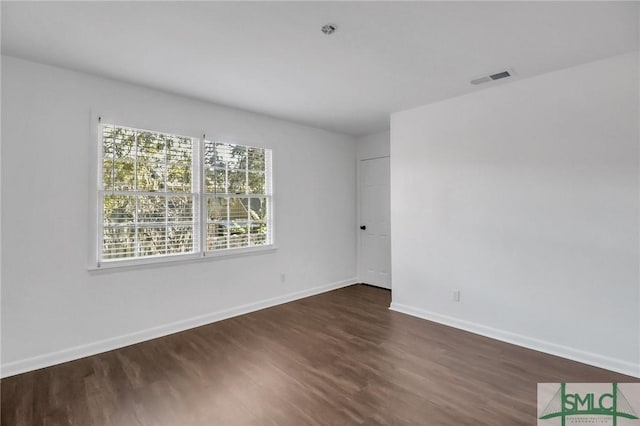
339 358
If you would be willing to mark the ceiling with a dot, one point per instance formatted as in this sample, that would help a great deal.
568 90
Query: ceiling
272 58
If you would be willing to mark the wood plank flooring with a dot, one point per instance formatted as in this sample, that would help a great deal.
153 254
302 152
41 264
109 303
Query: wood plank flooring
339 358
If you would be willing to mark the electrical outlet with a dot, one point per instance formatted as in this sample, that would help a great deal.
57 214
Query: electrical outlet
456 295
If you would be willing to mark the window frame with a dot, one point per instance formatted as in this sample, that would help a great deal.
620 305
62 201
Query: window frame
200 196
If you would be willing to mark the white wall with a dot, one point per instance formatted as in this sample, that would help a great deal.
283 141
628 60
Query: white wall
373 146
525 198
54 309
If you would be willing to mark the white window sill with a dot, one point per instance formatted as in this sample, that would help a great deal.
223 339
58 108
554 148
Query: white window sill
156 261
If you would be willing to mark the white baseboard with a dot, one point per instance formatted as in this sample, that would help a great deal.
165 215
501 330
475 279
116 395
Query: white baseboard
77 352
584 357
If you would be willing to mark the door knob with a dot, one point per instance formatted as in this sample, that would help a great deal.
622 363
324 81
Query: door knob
363 227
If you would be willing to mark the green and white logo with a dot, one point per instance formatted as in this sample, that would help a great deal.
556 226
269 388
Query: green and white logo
564 404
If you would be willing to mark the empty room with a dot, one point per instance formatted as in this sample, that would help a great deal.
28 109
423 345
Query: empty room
320 213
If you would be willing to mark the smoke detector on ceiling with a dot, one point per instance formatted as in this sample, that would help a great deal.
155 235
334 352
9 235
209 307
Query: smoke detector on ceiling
492 77
329 29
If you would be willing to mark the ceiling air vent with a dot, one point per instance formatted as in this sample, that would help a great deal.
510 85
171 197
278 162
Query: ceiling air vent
491 77
498 76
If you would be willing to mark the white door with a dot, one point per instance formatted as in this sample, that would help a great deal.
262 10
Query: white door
375 230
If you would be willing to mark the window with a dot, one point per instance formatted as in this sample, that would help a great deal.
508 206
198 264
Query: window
237 195
155 187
